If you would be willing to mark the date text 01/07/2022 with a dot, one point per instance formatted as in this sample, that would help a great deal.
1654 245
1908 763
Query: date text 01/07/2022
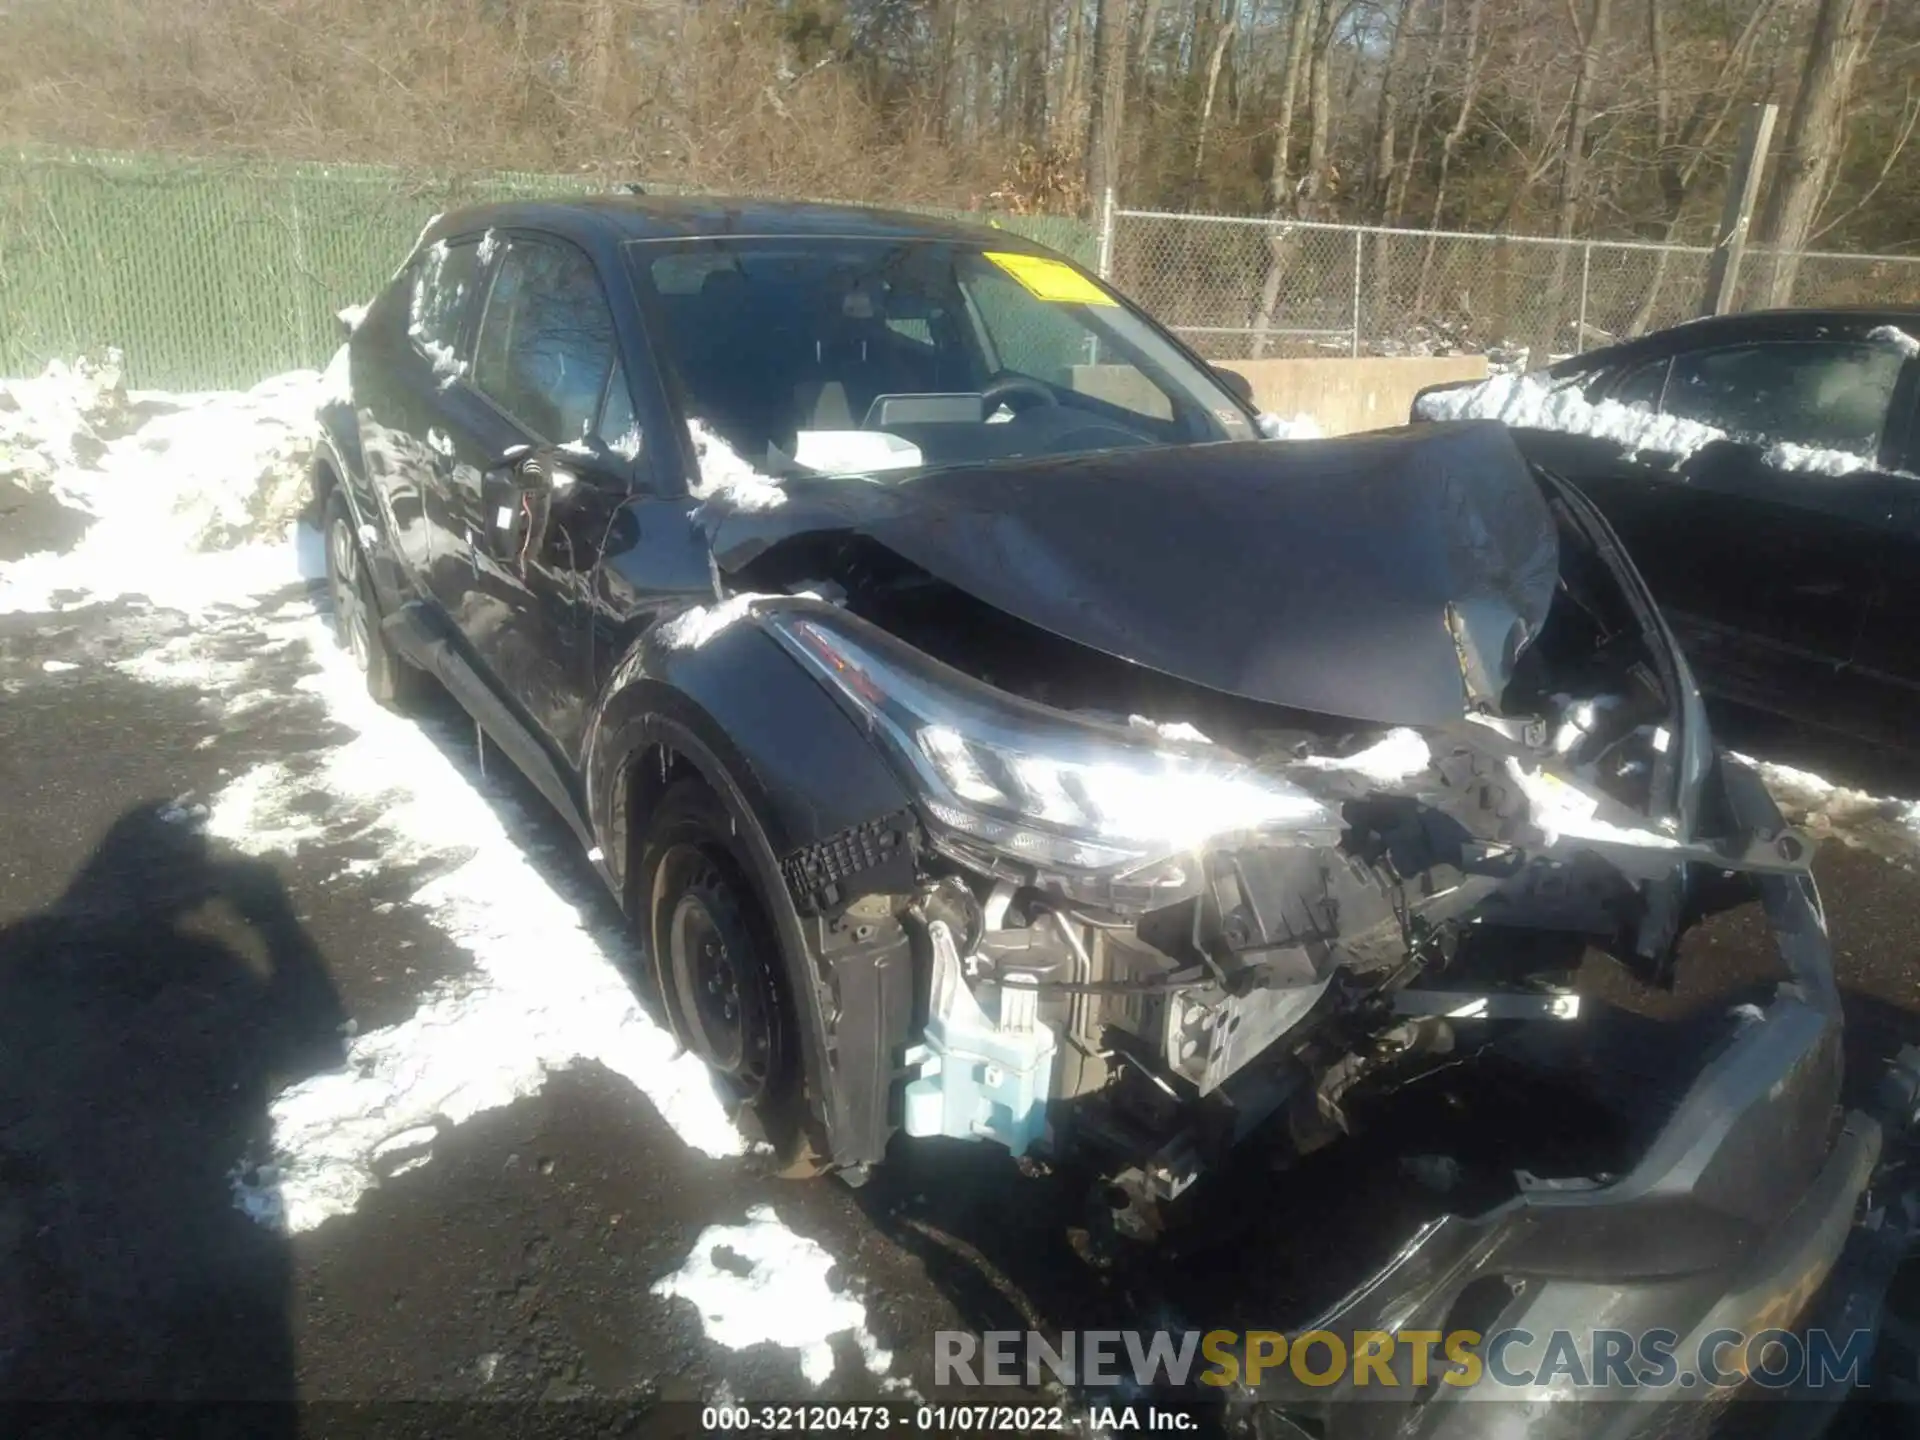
940 1419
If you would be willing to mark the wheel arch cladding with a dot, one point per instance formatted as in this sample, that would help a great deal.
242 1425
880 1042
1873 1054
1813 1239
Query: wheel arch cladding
798 777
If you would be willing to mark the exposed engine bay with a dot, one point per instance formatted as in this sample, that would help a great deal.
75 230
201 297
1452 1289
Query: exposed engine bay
1150 917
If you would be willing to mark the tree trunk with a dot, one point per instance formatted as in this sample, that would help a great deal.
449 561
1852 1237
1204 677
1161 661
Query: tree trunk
1319 109
1143 42
1379 180
1450 145
1815 134
1403 172
1280 196
1681 151
1036 65
1068 125
1573 174
1109 99
1299 39
1222 37
603 24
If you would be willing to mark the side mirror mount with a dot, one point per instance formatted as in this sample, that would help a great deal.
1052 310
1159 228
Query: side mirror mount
1239 385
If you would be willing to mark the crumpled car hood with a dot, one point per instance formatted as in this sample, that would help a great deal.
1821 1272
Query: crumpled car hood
1391 578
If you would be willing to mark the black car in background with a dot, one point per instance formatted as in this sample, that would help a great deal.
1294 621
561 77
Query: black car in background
1785 550
991 740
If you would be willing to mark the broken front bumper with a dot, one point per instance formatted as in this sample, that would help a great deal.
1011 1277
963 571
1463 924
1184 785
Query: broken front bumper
1731 1221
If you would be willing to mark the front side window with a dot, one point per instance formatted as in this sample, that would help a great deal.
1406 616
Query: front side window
1830 395
821 353
546 346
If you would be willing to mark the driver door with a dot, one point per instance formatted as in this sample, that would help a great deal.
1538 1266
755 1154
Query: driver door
544 457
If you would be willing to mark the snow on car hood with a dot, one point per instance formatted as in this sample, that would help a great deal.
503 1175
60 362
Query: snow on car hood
1427 555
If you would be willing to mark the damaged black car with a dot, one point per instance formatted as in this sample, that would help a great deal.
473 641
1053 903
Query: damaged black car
991 736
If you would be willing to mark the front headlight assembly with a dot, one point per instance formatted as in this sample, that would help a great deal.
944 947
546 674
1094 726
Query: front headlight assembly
1058 792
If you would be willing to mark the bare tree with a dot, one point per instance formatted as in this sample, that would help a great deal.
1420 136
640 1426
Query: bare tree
1573 165
1216 53
1816 130
1281 196
1109 99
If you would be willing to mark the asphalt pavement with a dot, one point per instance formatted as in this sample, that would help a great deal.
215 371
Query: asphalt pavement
178 956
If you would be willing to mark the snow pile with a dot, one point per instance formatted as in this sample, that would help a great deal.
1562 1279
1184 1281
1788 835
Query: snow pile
61 419
1826 810
165 476
759 1283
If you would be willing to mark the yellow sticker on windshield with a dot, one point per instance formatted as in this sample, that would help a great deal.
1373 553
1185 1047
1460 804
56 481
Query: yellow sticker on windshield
1053 280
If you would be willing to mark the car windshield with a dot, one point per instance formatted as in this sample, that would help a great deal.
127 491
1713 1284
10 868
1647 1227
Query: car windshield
855 356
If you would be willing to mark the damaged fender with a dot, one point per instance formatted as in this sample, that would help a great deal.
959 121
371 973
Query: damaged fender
826 822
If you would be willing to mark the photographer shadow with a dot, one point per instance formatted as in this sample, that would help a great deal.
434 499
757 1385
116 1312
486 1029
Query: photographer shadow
147 1018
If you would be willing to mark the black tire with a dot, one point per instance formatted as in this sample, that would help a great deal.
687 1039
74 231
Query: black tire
391 681
717 960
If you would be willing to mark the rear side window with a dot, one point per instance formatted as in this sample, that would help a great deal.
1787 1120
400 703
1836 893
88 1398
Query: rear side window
546 342
1832 395
446 281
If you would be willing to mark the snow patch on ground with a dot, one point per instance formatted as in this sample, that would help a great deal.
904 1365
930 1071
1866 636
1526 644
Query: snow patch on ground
548 989
164 476
548 992
760 1283
1826 810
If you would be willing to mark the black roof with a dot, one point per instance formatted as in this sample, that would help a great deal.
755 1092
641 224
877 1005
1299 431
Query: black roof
1846 321
680 217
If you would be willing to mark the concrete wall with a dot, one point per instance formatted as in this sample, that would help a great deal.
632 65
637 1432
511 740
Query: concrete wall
1345 395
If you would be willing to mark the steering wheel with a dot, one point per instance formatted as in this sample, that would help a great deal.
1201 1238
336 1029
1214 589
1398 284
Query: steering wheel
1006 388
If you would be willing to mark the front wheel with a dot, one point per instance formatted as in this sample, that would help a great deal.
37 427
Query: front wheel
391 681
717 959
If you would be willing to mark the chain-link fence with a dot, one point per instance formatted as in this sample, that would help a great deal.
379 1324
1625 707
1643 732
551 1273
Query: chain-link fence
1237 287
220 273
